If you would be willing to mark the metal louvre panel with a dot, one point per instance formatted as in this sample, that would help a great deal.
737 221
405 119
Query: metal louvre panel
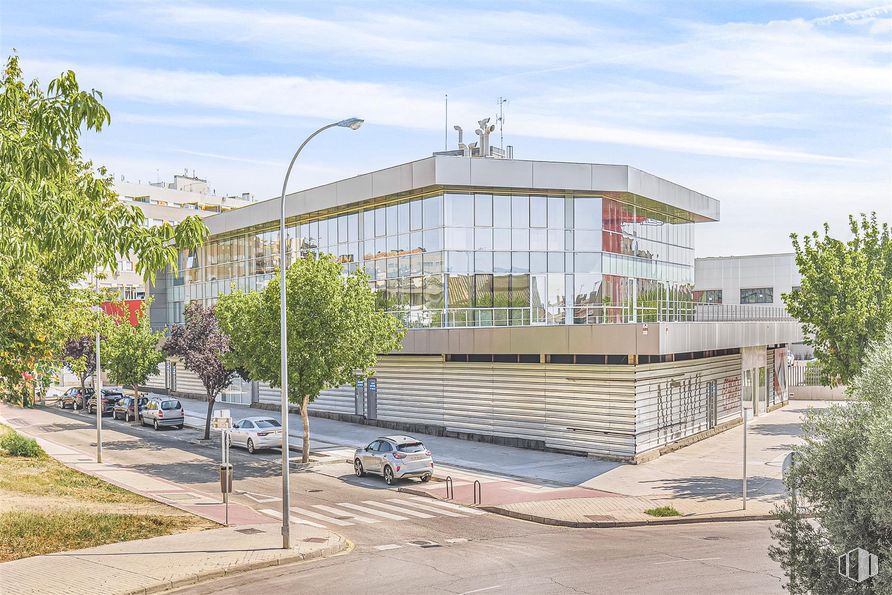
518 400
238 392
671 398
189 382
157 380
267 394
339 400
411 389
467 397
590 408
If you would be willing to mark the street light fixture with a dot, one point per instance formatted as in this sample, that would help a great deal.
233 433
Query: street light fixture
353 124
97 390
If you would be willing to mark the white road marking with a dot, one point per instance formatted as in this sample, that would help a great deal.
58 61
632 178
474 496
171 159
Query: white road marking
399 509
338 512
278 515
481 590
368 510
320 517
447 505
434 509
389 546
685 560
260 498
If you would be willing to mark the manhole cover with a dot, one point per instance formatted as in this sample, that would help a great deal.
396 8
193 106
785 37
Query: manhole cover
423 543
600 517
315 540
249 531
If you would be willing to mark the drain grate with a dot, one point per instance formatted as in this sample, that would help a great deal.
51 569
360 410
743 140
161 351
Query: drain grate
249 531
714 538
315 540
312 491
424 543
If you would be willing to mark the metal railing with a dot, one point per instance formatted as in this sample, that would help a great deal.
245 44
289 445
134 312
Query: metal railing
595 314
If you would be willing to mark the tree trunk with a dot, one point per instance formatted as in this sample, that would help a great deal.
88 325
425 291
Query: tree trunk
135 403
207 422
305 418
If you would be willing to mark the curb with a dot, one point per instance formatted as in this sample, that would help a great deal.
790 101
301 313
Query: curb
613 524
343 546
601 524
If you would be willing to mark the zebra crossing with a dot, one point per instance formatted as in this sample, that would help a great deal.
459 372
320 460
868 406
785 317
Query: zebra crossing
370 512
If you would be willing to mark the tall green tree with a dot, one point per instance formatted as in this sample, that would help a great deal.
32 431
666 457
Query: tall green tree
843 471
132 353
334 329
845 298
61 221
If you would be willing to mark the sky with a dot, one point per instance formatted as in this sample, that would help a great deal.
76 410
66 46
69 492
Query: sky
781 110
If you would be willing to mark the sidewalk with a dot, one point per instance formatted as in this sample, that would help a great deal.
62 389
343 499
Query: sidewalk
145 566
163 563
702 481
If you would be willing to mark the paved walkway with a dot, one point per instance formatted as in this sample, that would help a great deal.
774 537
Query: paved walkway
162 563
253 540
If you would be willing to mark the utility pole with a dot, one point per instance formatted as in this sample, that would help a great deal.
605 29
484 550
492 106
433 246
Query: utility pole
446 126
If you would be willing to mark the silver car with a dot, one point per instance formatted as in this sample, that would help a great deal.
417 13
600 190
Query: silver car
163 412
255 433
394 457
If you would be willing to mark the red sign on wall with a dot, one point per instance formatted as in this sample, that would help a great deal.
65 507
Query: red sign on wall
128 309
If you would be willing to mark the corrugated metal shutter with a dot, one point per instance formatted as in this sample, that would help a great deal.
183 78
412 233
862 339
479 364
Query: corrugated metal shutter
410 389
189 382
267 394
672 398
158 380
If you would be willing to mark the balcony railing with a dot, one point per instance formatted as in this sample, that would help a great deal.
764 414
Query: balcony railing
600 314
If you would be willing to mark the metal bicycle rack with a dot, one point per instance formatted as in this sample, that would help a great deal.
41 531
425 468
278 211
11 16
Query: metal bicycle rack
450 490
478 492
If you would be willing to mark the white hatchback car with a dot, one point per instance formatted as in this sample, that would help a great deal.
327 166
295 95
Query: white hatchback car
256 433
394 457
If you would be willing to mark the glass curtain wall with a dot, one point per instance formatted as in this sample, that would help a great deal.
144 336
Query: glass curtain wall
480 259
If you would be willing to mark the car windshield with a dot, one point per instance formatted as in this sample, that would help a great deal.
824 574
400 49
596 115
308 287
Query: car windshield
411 447
267 423
170 405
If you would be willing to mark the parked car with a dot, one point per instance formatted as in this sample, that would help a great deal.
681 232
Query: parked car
163 412
123 409
255 433
81 397
394 457
67 399
110 396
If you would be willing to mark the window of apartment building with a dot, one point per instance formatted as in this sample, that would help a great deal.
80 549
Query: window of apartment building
708 296
760 295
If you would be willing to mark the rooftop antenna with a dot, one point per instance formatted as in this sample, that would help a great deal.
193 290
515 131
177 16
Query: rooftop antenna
446 125
501 121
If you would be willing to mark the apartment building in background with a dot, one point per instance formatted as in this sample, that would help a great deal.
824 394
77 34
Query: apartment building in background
549 305
160 202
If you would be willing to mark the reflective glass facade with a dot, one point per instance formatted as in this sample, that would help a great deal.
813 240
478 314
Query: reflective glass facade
459 258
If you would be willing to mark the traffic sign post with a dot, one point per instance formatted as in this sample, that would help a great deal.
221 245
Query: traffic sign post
223 421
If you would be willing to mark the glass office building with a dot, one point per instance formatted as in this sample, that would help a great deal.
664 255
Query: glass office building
458 257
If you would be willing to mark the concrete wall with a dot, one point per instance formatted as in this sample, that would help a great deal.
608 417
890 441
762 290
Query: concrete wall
733 273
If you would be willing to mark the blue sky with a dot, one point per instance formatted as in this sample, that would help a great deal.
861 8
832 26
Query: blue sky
780 109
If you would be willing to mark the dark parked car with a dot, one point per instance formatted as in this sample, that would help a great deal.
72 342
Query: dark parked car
73 398
110 396
123 409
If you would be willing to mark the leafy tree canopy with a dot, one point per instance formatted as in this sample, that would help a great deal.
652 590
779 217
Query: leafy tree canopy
845 298
334 329
202 345
844 472
131 354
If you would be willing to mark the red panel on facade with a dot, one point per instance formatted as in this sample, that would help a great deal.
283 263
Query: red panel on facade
126 308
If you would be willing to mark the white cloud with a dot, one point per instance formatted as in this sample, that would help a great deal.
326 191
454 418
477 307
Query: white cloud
391 105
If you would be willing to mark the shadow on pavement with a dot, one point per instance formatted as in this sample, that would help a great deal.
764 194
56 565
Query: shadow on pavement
789 429
718 488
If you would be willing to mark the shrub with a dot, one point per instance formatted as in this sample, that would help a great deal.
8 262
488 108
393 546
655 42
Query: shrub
662 511
17 445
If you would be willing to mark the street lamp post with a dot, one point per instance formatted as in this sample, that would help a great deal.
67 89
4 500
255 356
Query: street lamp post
97 390
353 124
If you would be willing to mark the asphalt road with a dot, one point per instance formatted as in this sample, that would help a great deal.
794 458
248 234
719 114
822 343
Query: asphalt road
409 545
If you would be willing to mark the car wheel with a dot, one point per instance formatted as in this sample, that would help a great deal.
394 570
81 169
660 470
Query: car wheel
155 425
180 427
250 446
388 475
357 467
425 478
